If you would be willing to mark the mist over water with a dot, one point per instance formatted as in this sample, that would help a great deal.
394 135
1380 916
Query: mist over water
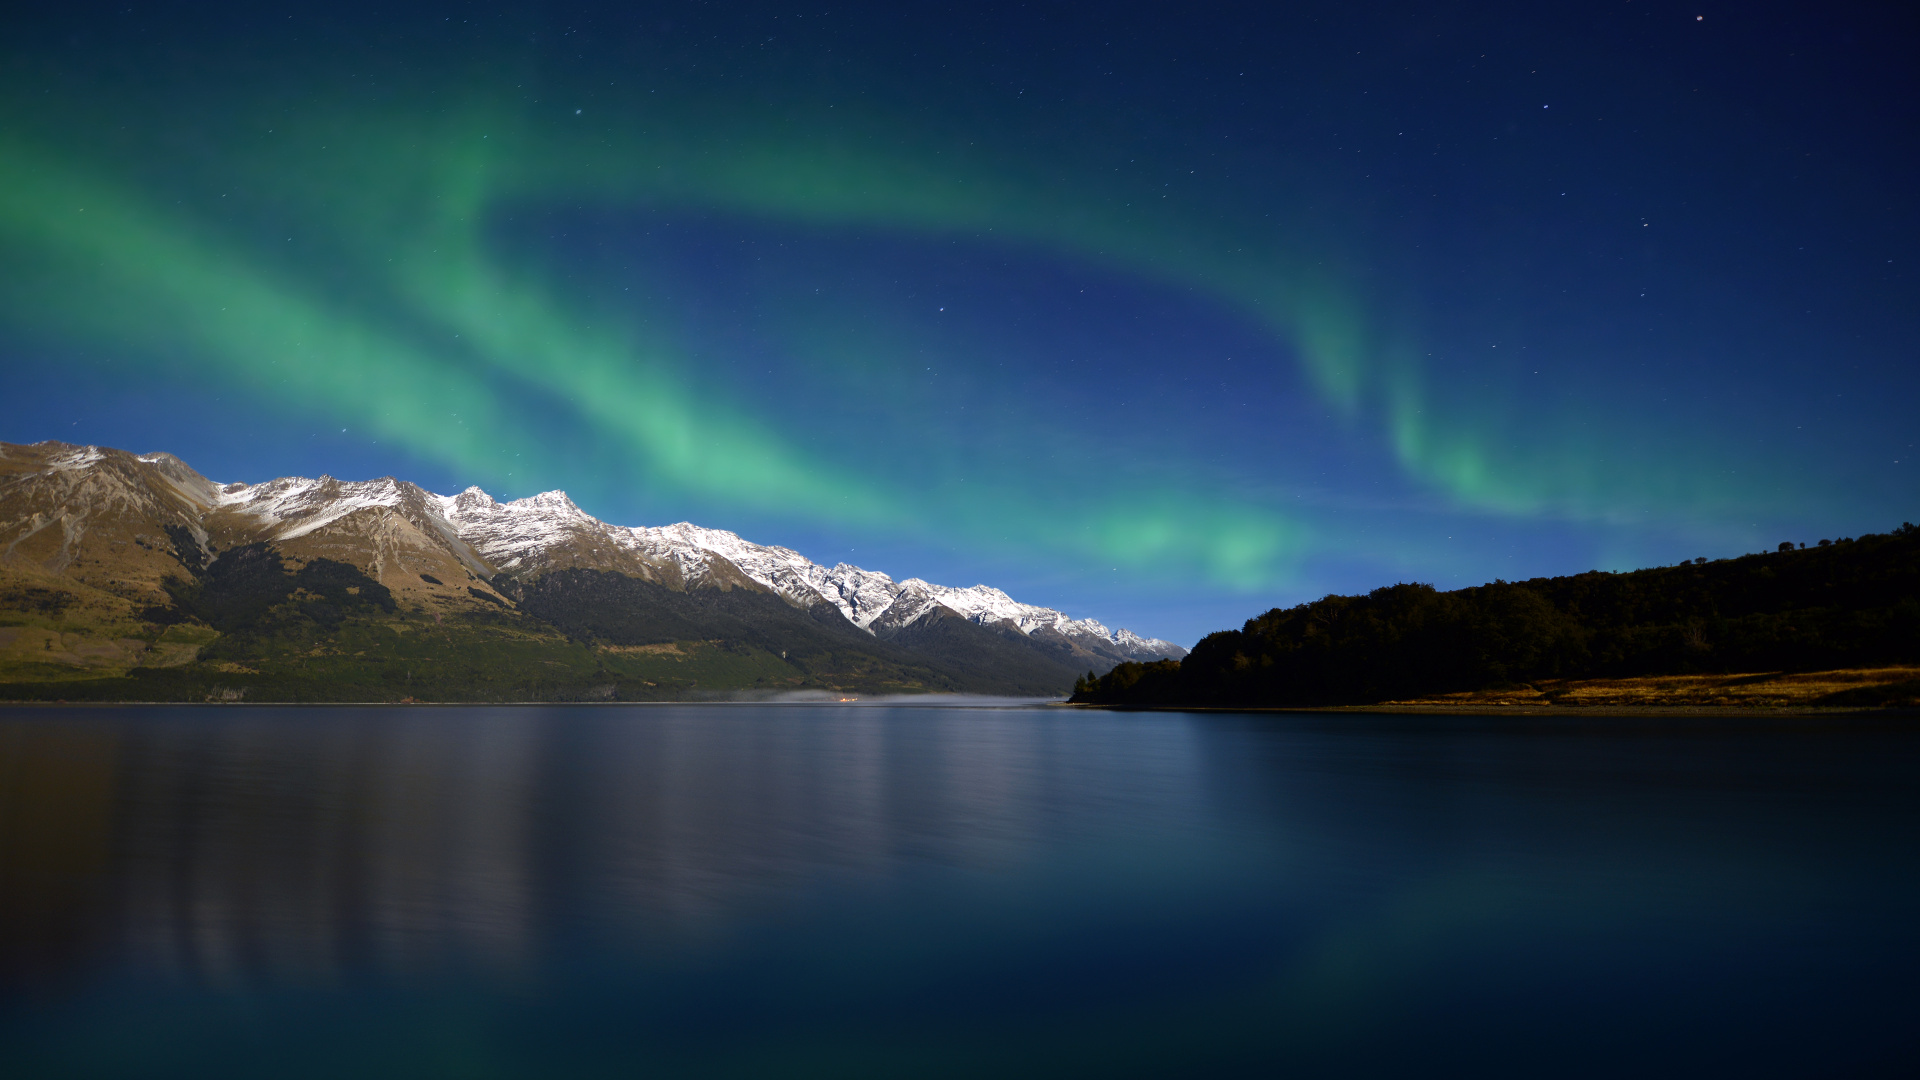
900 890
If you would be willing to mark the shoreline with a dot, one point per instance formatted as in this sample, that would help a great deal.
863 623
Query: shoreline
935 700
1506 711
1779 712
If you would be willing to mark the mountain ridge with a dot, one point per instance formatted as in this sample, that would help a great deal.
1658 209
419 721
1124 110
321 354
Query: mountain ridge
519 534
139 530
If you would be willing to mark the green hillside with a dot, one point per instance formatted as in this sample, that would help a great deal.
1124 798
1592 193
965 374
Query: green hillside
251 628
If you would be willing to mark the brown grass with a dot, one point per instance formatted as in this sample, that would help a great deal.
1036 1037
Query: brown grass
667 649
1848 688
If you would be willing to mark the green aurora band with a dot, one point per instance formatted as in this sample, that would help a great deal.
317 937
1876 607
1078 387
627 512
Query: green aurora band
411 321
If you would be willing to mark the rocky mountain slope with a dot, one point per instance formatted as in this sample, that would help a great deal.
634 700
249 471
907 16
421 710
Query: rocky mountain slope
102 539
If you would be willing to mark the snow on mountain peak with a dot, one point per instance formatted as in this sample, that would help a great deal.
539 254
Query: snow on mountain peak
554 500
549 530
78 457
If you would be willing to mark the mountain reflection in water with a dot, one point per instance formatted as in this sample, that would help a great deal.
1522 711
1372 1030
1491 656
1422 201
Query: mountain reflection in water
739 890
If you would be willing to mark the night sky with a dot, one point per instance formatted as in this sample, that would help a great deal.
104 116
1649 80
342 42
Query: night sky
1164 315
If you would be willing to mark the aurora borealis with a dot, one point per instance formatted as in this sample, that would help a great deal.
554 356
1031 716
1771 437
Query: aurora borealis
1164 316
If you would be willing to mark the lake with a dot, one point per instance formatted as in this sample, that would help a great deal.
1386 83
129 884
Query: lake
850 891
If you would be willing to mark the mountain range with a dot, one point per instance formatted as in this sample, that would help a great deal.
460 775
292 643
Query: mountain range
135 577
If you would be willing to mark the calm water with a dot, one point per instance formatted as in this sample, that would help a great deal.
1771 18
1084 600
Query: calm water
841 892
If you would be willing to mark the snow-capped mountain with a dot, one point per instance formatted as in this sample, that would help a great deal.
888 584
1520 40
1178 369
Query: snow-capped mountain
531 532
413 540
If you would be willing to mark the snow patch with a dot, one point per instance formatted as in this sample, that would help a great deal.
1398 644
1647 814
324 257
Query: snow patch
542 530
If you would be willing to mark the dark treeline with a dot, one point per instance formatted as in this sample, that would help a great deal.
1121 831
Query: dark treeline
250 593
1848 603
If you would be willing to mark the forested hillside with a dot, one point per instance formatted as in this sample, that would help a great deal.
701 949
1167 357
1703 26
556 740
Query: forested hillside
1847 603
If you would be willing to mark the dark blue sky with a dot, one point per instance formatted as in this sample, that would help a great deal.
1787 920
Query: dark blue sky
1160 315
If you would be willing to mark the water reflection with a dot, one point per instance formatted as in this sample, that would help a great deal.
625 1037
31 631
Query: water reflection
269 848
56 843
741 890
289 852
